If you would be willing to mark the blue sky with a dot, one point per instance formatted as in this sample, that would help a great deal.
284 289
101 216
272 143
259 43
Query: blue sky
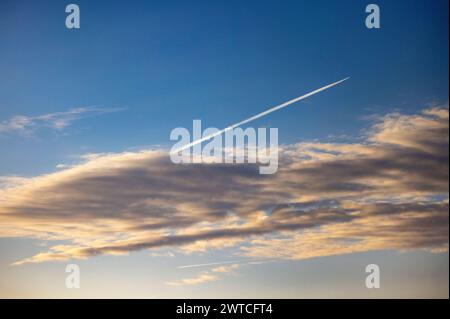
170 62
136 70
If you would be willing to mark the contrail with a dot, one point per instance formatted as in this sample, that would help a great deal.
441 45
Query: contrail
245 262
273 109
210 264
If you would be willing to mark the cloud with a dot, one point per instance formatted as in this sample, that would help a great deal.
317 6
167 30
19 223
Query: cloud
200 279
26 125
421 226
208 264
214 274
388 192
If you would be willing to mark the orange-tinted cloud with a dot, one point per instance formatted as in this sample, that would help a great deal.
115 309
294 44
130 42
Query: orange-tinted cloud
388 192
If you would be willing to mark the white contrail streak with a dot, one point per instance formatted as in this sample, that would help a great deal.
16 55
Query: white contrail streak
242 262
210 264
273 109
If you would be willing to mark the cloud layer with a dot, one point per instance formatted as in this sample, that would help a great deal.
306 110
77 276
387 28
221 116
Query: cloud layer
388 192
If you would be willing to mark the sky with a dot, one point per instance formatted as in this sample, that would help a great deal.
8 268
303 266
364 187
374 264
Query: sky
85 120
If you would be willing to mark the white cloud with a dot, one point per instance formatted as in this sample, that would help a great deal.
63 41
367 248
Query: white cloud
26 125
214 274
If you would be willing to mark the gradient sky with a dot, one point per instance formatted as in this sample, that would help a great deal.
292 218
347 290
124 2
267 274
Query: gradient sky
136 70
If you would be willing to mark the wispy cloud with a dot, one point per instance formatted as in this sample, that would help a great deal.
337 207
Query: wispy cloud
26 125
218 271
200 279
389 191
214 274
208 264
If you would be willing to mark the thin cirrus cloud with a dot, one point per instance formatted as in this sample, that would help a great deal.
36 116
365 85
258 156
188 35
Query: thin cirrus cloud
389 191
27 125
219 271
214 274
